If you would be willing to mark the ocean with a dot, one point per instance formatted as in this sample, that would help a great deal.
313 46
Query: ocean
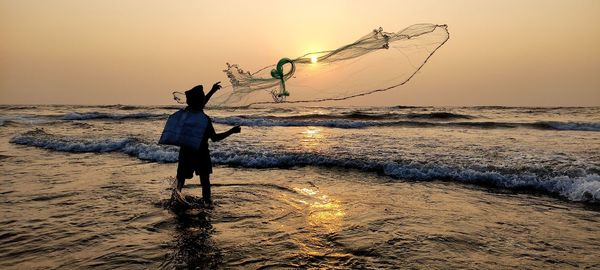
304 187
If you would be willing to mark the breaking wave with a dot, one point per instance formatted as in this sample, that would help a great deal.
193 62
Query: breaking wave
110 116
18 107
365 115
347 123
130 146
438 115
585 188
23 119
350 120
568 125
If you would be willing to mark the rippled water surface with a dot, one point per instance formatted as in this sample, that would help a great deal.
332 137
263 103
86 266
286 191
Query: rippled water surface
415 187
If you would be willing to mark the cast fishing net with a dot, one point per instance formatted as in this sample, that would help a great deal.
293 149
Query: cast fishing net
378 61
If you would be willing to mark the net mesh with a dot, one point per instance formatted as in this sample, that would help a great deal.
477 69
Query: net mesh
378 61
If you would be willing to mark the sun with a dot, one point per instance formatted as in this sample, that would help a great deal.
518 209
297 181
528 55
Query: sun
314 59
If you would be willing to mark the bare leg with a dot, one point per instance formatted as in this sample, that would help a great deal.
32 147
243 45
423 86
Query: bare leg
180 183
176 197
205 182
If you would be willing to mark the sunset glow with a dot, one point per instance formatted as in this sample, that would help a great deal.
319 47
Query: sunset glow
415 134
138 52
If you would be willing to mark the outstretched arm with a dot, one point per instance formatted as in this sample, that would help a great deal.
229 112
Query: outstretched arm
220 136
213 90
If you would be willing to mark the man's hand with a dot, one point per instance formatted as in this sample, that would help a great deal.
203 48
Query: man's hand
236 129
216 86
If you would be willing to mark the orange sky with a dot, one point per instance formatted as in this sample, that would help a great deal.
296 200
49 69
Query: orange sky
516 53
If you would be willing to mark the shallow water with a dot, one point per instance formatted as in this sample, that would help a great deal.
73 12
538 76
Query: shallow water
93 190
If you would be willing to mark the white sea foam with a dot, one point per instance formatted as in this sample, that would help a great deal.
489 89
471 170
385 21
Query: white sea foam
130 146
584 188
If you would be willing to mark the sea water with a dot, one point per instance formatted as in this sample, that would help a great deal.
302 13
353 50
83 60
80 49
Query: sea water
333 187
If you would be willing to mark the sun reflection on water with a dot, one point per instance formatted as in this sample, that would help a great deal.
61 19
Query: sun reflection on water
323 212
311 138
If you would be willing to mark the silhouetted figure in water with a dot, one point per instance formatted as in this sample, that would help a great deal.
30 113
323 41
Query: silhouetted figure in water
192 160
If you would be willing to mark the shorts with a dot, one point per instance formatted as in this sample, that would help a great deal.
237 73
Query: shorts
191 161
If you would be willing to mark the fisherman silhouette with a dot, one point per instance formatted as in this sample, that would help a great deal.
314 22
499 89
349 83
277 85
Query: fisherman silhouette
198 159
